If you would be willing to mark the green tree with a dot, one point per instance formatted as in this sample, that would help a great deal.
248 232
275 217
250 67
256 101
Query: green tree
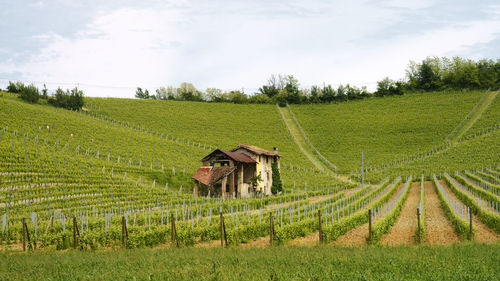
75 99
140 94
277 185
487 73
388 87
69 99
188 92
60 98
315 93
15 87
292 91
45 93
259 98
236 97
274 85
215 95
327 94
427 77
168 93
30 93
460 73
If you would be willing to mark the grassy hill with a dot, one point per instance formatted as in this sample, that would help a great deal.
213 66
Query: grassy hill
390 131
134 158
402 129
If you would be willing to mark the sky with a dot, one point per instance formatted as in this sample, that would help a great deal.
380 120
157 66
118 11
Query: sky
108 48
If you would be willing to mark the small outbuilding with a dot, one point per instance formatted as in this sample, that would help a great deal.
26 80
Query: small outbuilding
241 172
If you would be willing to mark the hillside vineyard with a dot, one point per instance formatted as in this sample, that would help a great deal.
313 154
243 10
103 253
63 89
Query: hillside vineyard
118 173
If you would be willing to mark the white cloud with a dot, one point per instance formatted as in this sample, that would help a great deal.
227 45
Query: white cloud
238 45
409 4
110 51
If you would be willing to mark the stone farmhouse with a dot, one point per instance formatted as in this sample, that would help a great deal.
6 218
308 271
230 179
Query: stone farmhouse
242 172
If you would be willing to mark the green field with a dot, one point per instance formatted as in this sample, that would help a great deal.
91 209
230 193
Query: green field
459 262
391 131
214 124
401 128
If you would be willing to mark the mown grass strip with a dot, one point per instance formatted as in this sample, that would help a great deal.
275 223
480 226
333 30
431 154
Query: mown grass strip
473 116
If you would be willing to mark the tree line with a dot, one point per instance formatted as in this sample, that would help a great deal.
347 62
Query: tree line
71 99
431 74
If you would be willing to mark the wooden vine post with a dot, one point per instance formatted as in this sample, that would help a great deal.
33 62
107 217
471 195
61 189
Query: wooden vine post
221 230
24 235
470 223
370 224
172 230
320 227
124 233
271 228
418 222
76 233
223 234
27 235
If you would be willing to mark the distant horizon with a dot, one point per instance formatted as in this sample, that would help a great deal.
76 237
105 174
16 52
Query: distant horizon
109 49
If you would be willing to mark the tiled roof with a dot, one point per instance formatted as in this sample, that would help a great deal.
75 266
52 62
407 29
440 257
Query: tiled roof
256 150
209 175
236 156
221 171
203 175
239 157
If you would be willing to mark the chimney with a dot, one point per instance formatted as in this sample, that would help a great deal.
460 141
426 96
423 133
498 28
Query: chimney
275 150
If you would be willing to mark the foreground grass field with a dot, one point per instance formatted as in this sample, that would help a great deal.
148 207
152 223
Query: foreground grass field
469 261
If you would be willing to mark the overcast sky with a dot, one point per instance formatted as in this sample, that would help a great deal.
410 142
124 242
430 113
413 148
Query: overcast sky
112 47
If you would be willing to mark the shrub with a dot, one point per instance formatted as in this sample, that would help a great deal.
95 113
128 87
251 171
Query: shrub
140 94
388 87
277 184
30 94
71 99
259 98
44 94
15 87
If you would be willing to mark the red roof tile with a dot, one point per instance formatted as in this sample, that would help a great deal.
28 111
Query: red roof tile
210 175
203 175
256 150
236 156
239 157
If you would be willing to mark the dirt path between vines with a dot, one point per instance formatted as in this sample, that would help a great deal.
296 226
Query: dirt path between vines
438 229
403 230
261 242
483 233
357 236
